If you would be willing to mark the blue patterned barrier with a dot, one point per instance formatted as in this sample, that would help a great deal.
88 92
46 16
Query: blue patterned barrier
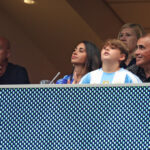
46 118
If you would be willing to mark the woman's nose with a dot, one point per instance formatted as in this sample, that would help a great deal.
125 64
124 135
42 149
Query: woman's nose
75 52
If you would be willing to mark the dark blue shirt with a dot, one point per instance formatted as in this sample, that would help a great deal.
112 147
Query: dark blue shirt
14 74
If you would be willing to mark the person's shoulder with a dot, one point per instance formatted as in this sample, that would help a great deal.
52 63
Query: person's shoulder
131 76
15 66
63 80
87 77
91 73
134 68
127 71
19 73
67 77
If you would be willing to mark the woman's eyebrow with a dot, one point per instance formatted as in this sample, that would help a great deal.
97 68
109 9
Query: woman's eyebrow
81 48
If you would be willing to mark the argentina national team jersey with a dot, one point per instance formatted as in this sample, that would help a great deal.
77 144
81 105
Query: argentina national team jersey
100 77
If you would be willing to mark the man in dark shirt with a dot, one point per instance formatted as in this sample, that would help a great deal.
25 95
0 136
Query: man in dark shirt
10 73
142 53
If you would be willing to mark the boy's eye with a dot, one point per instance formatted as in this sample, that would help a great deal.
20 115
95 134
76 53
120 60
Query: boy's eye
113 47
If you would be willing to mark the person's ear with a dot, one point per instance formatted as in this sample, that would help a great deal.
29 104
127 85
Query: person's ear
122 57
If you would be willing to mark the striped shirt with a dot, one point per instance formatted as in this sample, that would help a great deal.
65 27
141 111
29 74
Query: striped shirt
100 77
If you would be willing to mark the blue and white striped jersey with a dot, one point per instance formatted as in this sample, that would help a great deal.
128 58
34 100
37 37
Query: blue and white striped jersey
100 77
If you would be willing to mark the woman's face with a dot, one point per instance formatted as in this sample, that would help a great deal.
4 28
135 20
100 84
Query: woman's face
128 36
79 54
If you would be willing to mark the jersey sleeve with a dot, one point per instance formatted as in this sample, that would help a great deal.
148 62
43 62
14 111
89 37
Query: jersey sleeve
63 80
131 78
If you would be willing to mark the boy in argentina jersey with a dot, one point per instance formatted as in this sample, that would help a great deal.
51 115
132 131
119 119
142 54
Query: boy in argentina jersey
113 54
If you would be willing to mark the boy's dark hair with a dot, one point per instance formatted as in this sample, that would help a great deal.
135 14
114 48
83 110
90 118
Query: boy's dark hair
119 45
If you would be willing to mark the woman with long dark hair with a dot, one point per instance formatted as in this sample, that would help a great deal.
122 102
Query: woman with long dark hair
85 58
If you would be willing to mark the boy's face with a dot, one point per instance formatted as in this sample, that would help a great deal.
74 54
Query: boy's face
110 53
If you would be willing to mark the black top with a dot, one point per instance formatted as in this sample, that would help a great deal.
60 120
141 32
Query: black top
14 74
139 72
132 62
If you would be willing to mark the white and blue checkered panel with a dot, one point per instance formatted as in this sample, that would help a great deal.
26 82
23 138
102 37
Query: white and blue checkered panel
74 118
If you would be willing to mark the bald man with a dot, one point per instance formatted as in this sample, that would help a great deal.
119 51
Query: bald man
10 73
142 53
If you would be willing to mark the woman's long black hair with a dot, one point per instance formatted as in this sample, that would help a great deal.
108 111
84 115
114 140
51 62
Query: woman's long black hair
93 60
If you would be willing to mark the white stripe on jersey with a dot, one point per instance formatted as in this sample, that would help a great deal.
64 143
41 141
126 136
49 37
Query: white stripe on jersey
96 76
119 77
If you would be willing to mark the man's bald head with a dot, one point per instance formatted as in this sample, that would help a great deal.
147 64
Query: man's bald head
4 42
